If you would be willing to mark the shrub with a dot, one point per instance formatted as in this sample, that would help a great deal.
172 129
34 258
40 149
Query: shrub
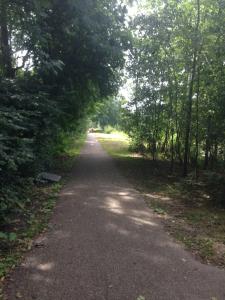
108 129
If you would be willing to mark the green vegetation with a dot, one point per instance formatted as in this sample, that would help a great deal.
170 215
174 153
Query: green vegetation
61 67
116 143
25 226
176 61
32 218
108 115
57 60
185 205
67 151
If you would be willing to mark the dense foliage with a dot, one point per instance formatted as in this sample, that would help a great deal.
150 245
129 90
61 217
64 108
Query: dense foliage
177 65
59 58
56 59
108 114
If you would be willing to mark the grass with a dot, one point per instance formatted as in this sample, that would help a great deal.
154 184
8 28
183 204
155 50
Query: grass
185 206
33 218
116 144
66 155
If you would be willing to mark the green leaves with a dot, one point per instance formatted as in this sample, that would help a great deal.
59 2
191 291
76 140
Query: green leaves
64 56
9 237
177 66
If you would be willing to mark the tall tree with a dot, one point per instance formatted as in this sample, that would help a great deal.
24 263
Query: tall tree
179 95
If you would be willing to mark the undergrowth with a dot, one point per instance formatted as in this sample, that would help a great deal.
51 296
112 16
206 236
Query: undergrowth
32 207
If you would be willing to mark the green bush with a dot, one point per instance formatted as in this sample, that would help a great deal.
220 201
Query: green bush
108 129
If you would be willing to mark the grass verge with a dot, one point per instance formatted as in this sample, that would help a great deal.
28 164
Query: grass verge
185 206
16 237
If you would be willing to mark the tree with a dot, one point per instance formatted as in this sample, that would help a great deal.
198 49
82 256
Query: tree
177 65
57 58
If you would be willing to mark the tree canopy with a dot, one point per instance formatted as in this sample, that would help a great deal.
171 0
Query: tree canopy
56 59
177 65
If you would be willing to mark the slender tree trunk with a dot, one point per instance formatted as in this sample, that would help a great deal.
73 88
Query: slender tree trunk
177 130
190 95
172 152
197 126
216 151
165 142
189 117
214 154
5 41
154 144
207 143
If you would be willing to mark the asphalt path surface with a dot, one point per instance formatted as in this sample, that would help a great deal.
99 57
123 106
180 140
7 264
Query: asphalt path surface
103 243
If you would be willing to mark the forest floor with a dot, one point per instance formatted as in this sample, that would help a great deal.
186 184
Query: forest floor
104 243
184 205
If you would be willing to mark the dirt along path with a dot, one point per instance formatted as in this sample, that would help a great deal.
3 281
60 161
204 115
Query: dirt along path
103 243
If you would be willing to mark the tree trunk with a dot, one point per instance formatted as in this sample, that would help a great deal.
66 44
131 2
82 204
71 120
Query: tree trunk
190 95
165 142
197 126
178 148
207 143
172 152
5 42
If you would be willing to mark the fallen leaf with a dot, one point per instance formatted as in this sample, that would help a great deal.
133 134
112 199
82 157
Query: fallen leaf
18 295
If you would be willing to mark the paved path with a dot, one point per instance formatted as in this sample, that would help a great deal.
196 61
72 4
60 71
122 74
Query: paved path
105 244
